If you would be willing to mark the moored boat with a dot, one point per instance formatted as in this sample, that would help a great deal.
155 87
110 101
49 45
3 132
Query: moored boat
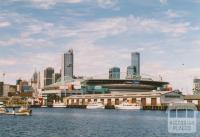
3 110
95 105
125 105
44 106
23 111
59 105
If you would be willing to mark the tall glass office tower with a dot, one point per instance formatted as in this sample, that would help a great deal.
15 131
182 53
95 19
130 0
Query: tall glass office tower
48 76
67 64
135 63
129 73
114 73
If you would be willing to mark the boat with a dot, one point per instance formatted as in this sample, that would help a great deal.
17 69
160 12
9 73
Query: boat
125 105
95 105
59 104
1 104
23 111
3 110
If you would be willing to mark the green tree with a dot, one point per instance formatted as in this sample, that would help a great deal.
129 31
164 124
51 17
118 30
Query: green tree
51 98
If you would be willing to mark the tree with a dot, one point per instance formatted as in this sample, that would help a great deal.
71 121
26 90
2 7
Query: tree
51 98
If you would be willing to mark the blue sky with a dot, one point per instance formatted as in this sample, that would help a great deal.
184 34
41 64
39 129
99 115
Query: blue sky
34 34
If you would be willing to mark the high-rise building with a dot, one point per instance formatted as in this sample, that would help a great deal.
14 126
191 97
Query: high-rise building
135 63
40 79
133 71
55 77
20 84
67 64
9 90
1 88
34 80
196 86
34 77
6 90
48 72
114 73
130 71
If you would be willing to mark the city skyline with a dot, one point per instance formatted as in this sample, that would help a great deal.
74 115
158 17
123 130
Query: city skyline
36 33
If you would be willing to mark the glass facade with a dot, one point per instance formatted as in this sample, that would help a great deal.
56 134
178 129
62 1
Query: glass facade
56 76
48 72
196 86
130 71
67 64
1 88
114 73
135 63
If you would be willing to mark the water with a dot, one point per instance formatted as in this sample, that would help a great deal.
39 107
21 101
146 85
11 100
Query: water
60 122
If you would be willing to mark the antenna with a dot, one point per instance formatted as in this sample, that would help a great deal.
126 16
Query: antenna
160 78
4 75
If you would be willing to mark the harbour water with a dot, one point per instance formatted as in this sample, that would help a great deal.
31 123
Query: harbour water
62 122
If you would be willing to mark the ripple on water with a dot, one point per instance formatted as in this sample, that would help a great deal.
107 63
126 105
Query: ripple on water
52 122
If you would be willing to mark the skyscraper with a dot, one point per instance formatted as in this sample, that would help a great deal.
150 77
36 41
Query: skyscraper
1 88
135 63
55 77
67 64
48 72
40 79
34 77
130 71
114 73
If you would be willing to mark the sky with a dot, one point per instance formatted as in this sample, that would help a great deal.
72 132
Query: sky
102 33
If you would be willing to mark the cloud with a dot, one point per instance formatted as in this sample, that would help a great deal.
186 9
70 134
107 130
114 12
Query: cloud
107 3
91 30
176 14
172 14
26 42
15 75
180 78
114 26
196 1
4 24
46 4
7 62
163 2
91 58
197 42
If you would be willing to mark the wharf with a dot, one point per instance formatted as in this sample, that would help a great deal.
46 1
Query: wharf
162 108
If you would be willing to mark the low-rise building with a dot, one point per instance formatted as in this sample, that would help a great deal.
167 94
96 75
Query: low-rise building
9 90
172 97
144 98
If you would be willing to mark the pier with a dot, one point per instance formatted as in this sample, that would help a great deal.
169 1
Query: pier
157 100
147 100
